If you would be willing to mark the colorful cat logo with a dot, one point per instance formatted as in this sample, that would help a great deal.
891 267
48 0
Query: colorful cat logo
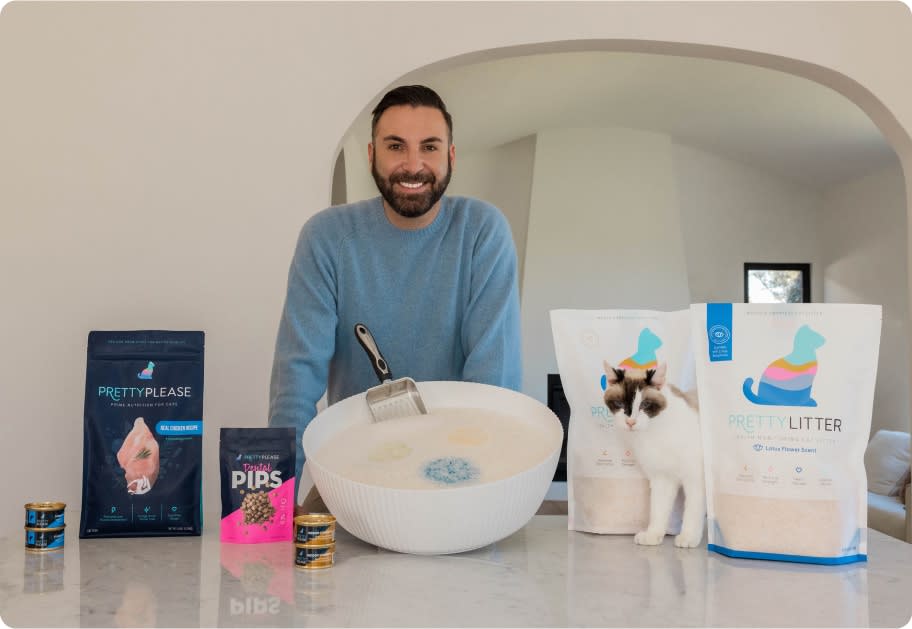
788 381
146 374
645 356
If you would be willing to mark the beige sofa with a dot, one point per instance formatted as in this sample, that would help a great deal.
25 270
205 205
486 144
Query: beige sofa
887 462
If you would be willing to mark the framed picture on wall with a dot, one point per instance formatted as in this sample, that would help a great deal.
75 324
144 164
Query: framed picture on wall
777 283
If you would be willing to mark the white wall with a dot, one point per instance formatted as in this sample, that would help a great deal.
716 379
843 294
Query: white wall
359 184
502 176
863 226
198 137
601 199
732 214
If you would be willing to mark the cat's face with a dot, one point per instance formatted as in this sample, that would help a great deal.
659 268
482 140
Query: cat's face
634 396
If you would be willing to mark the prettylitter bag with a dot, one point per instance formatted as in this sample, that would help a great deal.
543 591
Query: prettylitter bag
142 434
607 492
785 403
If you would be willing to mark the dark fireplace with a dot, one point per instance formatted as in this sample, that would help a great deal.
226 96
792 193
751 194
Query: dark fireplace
557 402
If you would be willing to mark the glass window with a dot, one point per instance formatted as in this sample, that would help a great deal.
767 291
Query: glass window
777 283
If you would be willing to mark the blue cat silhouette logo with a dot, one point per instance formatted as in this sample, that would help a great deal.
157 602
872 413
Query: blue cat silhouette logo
645 356
146 374
787 381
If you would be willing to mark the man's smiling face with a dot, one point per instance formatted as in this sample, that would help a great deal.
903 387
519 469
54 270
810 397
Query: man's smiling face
411 159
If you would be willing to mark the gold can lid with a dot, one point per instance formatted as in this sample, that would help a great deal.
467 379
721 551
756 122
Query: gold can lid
40 530
331 546
309 519
45 506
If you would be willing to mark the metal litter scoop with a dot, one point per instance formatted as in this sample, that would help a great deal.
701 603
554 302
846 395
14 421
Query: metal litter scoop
391 398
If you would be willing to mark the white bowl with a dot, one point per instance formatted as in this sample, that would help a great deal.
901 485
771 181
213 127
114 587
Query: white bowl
436 521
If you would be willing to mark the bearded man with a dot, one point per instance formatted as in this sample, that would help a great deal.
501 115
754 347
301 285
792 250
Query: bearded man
432 276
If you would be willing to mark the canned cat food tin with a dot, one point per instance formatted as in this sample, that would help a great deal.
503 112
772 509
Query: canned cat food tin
315 529
312 557
44 515
43 539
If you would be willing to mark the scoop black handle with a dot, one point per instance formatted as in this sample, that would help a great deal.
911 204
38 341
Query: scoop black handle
366 339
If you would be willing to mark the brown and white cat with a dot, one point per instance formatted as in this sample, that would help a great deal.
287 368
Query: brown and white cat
661 426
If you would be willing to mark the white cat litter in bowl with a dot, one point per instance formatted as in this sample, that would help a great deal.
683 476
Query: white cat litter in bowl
447 489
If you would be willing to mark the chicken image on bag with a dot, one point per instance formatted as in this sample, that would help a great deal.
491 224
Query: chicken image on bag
138 456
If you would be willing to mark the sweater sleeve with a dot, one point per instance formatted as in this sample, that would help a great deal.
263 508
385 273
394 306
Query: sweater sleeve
490 332
306 337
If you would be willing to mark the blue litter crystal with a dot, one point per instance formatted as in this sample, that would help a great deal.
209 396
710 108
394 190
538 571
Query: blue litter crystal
450 471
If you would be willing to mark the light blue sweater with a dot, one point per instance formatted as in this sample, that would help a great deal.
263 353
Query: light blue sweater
441 302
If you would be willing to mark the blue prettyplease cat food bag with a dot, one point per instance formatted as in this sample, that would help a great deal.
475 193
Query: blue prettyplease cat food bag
786 393
142 434
606 489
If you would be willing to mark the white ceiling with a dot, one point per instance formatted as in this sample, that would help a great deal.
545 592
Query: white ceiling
785 125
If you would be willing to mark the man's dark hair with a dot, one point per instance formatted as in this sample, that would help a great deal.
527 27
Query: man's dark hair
414 96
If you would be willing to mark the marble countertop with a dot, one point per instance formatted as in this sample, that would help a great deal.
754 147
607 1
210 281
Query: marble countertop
543 575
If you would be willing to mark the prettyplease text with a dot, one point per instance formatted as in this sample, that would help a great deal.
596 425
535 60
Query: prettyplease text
119 393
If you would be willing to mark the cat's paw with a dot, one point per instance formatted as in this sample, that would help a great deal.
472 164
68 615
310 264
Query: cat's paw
648 538
688 540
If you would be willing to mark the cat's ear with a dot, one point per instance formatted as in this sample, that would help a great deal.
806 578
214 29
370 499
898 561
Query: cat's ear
614 375
658 376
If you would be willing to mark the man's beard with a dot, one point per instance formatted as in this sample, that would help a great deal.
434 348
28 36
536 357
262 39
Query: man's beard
412 205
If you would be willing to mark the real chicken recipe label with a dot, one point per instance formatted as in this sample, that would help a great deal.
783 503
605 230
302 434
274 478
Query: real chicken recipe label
142 434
